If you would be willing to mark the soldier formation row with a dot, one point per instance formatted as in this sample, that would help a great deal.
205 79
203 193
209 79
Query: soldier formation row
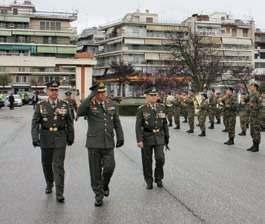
250 108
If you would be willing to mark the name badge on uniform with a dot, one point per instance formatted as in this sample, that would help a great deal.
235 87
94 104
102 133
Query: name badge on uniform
161 115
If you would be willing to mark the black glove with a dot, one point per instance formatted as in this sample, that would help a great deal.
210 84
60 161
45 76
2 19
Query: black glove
119 143
70 143
36 143
166 140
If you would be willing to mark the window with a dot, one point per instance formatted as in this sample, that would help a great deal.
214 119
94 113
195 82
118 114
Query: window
47 25
149 20
42 25
245 32
2 39
50 40
52 25
17 79
234 32
24 78
58 26
15 11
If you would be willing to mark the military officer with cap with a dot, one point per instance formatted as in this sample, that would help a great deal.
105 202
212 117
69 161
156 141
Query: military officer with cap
52 129
72 103
103 119
152 136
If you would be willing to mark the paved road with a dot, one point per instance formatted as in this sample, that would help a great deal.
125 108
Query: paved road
205 181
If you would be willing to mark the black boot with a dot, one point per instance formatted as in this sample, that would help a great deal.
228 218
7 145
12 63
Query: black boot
218 121
106 191
230 142
224 130
211 126
202 134
170 124
243 133
177 127
256 147
190 131
48 189
251 148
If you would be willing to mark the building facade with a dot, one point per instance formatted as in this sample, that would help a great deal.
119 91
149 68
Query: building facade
260 52
234 38
139 40
26 33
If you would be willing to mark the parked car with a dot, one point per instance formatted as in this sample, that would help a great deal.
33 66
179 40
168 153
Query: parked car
18 101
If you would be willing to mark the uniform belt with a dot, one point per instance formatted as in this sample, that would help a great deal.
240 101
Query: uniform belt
152 130
52 129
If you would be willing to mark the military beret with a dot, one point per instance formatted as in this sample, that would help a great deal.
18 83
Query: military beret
53 84
254 84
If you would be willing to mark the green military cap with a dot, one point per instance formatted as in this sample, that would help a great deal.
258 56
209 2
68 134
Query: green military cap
99 87
151 91
53 84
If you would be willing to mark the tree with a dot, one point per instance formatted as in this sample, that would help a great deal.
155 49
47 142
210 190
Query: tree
121 70
243 74
197 57
5 79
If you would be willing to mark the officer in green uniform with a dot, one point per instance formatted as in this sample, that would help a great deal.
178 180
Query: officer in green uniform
203 111
152 136
212 108
255 105
230 108
72 103
102 118
244 114
52 129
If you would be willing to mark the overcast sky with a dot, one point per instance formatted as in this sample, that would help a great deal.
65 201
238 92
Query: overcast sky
98 12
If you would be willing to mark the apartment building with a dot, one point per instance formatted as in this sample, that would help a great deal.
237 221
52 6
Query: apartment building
25 34
260 52
234 38
139 39
89 39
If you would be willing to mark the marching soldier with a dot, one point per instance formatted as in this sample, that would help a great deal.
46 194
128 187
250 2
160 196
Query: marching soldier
170 108
244 114
184 107
230 108
212 108
177 110
72 103
203 111
189 102
103 119
225 115
52 129
152 136
255 105
218 111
